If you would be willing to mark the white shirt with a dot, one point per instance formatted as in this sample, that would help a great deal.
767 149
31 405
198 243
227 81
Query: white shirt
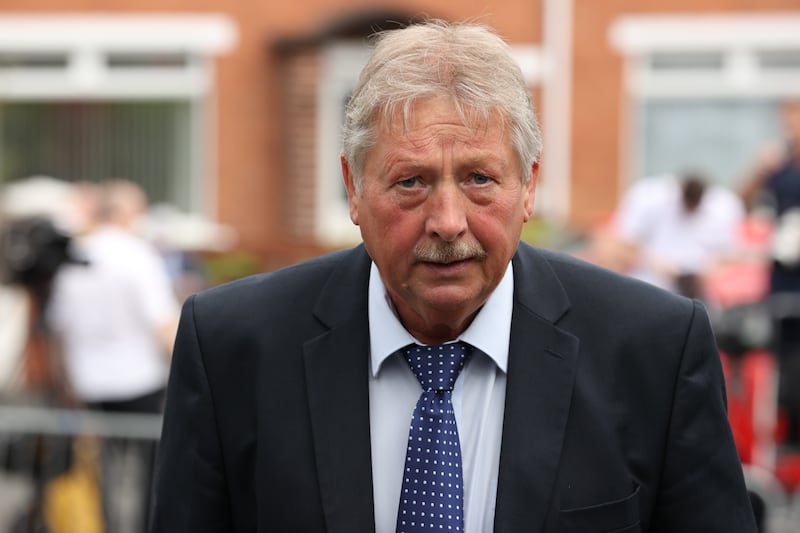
107 314
478 402
651 214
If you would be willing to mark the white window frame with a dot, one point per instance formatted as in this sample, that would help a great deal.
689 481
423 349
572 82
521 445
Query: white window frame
87 40
737 37
341 64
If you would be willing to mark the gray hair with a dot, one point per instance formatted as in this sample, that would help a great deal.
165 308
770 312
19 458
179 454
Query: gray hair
468 62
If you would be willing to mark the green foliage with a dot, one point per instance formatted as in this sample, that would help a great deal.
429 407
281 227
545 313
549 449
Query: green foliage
548 234
230 266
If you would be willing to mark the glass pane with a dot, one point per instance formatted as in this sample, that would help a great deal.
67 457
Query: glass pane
718 137
146 142
130 60
32 60
686 61
779 59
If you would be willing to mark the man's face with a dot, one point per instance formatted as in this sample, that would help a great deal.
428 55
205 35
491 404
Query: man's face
441 209
790 112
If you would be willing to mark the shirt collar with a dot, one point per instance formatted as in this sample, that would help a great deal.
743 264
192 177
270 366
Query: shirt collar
489 332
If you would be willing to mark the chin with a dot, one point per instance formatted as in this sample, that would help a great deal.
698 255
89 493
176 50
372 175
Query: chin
449 301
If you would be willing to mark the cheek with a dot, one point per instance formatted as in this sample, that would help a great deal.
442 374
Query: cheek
498 218
393 229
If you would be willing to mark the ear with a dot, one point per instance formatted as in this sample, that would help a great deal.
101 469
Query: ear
529 191
349 184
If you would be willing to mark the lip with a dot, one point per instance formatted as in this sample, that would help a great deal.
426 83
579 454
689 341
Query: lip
448 269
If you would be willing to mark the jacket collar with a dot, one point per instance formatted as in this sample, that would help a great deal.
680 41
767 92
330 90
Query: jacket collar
541 373
542 362
336 368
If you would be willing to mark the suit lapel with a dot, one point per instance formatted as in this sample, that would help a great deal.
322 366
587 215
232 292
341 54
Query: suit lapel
541 372
336 366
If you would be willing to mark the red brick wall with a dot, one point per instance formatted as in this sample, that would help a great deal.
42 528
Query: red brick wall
263 183
300 90
264 104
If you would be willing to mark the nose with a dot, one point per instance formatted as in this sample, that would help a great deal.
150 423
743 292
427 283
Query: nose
446 218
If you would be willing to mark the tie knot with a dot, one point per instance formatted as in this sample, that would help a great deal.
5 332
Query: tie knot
436 366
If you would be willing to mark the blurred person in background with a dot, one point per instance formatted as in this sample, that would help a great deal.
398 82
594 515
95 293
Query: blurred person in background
774 184
115 318
673 231
36 222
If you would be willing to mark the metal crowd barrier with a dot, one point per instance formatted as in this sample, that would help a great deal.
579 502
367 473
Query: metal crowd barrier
750 339
75 471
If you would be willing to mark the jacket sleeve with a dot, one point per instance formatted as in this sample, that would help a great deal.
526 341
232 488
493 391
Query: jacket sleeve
191 492
702 487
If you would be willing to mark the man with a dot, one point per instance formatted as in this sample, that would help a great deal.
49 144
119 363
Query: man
775 183
115 320
116 316
676 230
587 401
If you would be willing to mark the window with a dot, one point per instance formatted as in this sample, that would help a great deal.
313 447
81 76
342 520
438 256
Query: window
720 137
341 64
148 141
98 97
702 91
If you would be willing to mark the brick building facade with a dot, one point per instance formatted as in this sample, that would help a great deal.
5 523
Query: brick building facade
259 138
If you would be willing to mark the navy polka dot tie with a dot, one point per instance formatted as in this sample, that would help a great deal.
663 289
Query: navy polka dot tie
432 496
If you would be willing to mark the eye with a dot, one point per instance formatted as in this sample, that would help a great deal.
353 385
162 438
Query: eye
409 183
480 179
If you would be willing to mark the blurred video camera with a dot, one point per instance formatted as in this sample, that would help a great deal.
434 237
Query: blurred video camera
32 249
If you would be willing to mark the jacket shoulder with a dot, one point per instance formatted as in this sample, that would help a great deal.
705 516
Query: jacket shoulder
291 286
602 290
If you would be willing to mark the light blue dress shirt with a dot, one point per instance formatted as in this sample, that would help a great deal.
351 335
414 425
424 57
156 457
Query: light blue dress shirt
478 401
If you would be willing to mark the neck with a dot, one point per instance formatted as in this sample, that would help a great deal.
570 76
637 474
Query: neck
429 330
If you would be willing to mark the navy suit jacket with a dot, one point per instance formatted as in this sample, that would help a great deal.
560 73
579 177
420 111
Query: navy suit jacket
615 416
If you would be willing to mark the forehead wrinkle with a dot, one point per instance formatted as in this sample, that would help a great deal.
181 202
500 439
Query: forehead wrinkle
405 149
413 153
487 157
415 146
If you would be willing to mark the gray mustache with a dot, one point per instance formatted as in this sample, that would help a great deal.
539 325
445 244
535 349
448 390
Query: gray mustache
448 252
